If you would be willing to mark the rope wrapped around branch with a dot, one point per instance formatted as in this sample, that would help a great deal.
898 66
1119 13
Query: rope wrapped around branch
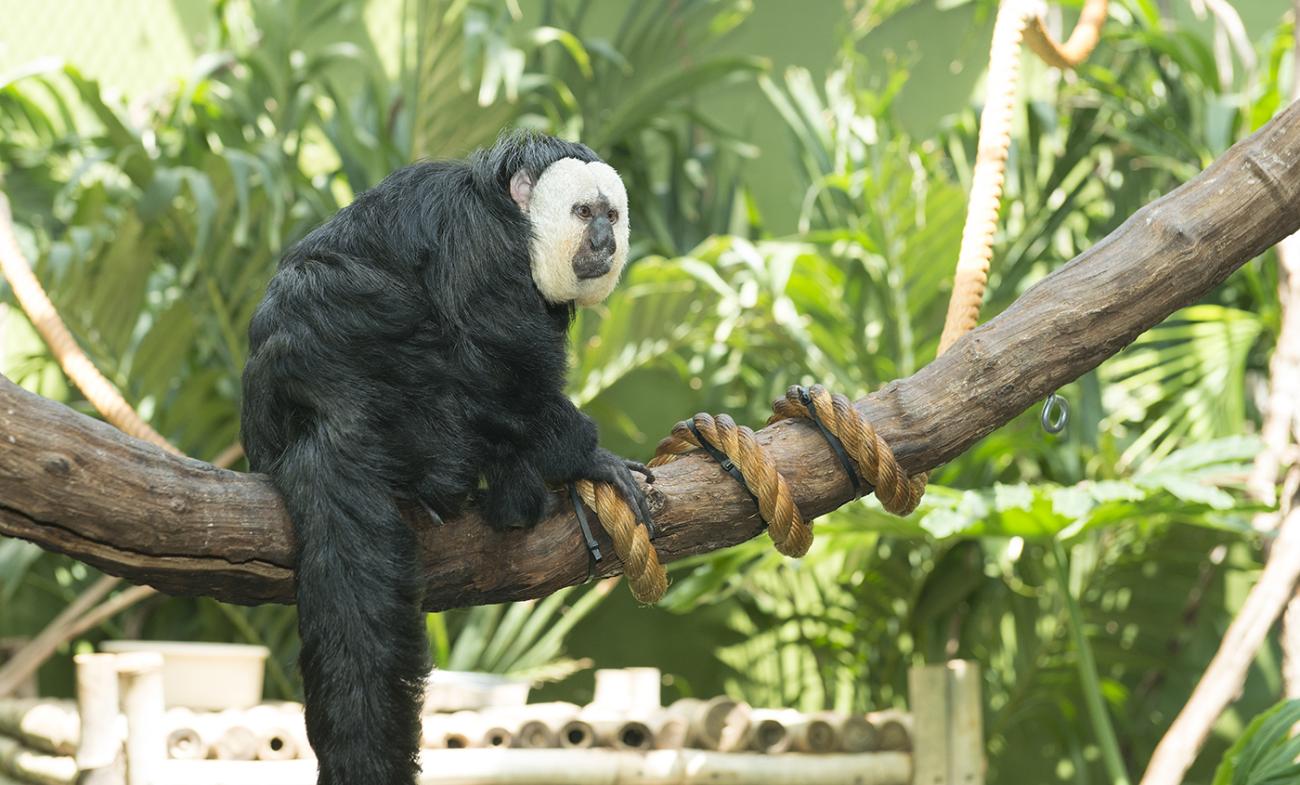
645 575
898 492
790 533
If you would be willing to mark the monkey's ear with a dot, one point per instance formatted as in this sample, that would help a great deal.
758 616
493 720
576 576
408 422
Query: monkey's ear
521 189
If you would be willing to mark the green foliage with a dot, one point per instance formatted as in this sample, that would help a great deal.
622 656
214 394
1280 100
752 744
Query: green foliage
522 639
1091 574
1266 752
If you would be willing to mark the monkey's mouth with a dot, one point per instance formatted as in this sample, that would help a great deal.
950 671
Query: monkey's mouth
593 267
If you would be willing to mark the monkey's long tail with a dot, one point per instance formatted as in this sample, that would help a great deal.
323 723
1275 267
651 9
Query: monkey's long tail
364 652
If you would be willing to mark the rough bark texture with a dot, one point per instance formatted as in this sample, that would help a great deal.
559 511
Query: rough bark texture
78 486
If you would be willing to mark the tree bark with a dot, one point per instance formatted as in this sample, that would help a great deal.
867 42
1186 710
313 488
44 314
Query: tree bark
76 485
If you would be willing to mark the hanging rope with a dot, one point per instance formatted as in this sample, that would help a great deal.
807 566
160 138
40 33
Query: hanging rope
863 454
1014 19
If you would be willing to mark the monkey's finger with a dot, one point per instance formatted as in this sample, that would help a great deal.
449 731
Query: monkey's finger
642 469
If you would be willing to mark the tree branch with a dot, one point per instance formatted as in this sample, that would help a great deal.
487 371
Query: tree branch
76 485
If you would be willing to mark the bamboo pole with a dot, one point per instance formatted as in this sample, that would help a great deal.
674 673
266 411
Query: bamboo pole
100 746
534 725
275 731
947 715
141 683
669 730
184 739
804 732
893 729
855 732
717 723
766 734
620 733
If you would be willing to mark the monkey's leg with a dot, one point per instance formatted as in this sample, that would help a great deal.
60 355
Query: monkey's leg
516 496
568 451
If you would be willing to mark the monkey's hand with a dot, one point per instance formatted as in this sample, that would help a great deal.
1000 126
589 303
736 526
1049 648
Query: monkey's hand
608 467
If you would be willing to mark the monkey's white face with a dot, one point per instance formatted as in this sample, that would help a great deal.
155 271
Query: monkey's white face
580 229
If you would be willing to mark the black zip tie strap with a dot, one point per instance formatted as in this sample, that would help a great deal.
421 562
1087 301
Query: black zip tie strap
836 445
593 547
725 463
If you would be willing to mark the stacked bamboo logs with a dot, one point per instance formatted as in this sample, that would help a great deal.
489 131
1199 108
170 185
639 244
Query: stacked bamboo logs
719 724
38 739
119 733
270 731
626 714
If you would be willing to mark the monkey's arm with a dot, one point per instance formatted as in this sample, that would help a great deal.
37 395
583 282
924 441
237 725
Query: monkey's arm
562 448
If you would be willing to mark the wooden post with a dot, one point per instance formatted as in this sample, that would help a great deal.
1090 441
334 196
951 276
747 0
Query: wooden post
142 703
948 729
100 746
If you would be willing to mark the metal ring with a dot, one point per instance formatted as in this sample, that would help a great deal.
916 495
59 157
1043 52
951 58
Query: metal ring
1056 413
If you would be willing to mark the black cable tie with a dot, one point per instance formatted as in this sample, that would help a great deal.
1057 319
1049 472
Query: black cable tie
593 547
836 445
725 463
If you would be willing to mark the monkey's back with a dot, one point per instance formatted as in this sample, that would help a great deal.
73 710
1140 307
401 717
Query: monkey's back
406 333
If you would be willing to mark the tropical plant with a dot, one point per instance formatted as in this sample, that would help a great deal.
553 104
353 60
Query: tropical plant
1266 752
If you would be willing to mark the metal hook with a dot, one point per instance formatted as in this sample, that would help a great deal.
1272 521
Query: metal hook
1056 413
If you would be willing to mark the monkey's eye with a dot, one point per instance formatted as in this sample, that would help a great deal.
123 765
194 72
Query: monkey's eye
613 216
583 211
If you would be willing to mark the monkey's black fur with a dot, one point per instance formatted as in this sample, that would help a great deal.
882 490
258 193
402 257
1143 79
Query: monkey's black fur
403 352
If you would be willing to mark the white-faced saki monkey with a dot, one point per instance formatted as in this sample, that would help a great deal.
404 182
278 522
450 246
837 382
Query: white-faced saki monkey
412 351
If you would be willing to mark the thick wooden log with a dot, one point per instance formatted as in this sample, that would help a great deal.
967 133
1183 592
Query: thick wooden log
78 486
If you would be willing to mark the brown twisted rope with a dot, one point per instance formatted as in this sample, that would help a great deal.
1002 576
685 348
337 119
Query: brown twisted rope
898 492
645 575
790 533
1015 18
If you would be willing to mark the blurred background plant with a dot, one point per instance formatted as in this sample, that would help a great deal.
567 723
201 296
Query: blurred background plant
799 175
